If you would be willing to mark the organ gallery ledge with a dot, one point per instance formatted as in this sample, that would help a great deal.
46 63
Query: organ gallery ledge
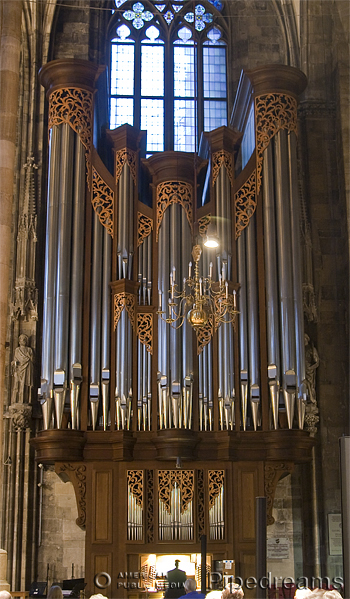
72 445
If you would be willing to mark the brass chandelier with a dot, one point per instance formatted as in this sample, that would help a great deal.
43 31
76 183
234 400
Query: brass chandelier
202 301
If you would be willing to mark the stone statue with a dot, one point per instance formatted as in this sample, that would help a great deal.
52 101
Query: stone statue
22 371
312 362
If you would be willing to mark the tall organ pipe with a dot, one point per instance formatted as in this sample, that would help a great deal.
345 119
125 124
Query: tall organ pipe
175 224
243 325
273 334
284 249
75 340
187 354
252 303
297 283
106 303
51 256
64 250
96 285
130 216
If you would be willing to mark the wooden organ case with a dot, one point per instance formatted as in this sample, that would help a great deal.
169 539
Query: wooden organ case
170 433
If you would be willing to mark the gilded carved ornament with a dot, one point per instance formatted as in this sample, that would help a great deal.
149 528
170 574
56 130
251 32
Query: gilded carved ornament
74 106
144 227
121 301
273 112
135 484
204 335
222 157
102 201
215 481
184 479
150 510
203 224
145 330
201 504
245 202
122 157
173 192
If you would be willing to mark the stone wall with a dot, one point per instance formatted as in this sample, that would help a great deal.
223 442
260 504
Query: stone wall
63 542
287 514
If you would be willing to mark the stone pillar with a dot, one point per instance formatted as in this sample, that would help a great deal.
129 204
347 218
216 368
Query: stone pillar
4 585
11 16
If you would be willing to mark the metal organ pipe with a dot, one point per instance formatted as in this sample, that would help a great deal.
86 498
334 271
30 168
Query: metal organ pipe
243 324
253 319
297 283
51 258
284 249
271 285
76 298
63 251
95 320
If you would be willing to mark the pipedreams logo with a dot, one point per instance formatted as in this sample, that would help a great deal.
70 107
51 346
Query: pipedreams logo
136 580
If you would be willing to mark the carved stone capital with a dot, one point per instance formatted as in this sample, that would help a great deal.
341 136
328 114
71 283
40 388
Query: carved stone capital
311 418
20 414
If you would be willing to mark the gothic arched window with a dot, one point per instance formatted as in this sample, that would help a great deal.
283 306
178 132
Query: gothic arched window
168 70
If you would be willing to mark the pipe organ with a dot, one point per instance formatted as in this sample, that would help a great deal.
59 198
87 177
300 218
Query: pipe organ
224 401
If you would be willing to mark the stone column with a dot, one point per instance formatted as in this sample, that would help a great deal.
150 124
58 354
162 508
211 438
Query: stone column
4 585
10 20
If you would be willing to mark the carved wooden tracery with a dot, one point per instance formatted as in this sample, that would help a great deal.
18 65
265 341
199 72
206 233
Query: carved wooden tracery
203 224
204 335
166 482
222 157
73 106
173 192
125 156
215 482
76 473
144 227
273 112
102 201
145 330
121 301
273 473
135 484
201 505
245 201
150 509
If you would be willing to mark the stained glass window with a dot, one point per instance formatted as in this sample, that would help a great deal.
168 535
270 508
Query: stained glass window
168 70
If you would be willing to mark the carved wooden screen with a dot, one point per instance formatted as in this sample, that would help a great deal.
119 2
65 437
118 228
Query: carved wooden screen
135 505
175 502
216 505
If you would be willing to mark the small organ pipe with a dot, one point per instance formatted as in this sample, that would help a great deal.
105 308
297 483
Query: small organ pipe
51 257
242 277
284 250
63 250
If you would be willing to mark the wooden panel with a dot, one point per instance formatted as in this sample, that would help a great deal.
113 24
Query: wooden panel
247 570
248 490
102 563
102 507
